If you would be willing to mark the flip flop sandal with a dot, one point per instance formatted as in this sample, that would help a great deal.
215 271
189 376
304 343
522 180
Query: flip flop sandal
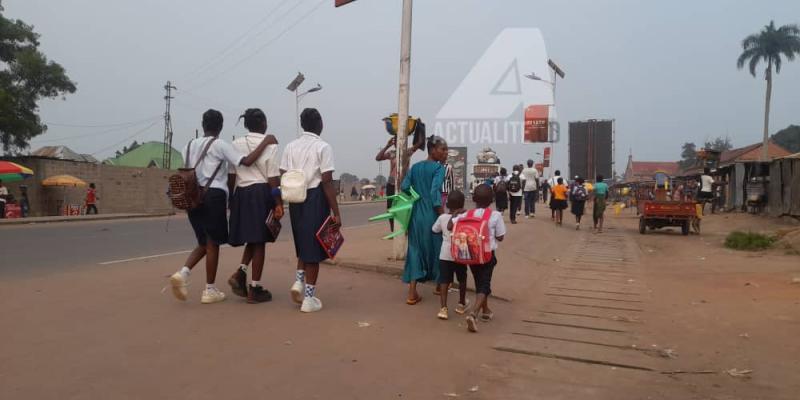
412 302
487 317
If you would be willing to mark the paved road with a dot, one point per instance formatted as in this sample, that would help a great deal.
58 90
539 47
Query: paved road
43 248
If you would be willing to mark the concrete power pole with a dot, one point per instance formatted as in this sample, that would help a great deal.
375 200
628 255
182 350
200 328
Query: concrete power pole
399 242
166 160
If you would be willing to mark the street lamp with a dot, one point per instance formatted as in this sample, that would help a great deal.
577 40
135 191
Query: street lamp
294 85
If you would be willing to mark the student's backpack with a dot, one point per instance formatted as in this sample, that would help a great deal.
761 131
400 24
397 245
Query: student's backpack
501 187
184 190
294 185
515 183
579 193
470 243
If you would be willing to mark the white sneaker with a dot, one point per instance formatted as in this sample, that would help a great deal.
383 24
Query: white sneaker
180 286
212 295
297 292
311 304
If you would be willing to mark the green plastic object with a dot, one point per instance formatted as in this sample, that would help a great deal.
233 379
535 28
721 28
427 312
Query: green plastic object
402 203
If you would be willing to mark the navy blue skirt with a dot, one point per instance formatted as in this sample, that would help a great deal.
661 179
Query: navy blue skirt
250 206
307 218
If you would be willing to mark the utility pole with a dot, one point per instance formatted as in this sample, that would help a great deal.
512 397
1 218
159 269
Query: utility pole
166 160
399 242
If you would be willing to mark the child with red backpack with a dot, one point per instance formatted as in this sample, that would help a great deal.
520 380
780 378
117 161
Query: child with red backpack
474 240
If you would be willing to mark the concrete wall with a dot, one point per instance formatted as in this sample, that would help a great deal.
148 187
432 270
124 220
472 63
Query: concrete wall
120 189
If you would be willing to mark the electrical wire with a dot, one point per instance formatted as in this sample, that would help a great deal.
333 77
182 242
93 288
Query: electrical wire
238 41
260 48
135 134
37 141
105 125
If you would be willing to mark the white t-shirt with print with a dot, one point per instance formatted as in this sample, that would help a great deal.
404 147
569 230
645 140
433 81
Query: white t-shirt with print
219 152
440 226
497 227
311 154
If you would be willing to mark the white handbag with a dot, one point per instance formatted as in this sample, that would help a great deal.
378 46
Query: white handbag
294 185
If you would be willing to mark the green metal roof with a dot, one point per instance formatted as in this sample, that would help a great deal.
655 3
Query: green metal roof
149 154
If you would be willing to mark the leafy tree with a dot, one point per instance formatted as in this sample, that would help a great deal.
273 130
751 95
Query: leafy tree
768 46
719 144
688 155
788 138
26 76
128 149
380 181
347 179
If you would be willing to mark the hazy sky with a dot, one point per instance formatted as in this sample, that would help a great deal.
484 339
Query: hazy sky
664 70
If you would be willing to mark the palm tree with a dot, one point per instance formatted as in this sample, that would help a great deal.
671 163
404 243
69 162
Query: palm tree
768 46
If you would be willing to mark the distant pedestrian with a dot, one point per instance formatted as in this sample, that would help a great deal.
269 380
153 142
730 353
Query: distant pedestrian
558 203
706 194
531 176
600 197
501 191
210 156
315 157
256 196
482 274
552 182
91 199
447 266
3 199
515 193
422 255
354 193
578 195
544 189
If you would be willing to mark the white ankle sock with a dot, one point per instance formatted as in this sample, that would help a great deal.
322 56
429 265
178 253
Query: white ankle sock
185 271
243 267
255 283
210 286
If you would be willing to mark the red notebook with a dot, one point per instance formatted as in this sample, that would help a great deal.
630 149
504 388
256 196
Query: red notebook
330 237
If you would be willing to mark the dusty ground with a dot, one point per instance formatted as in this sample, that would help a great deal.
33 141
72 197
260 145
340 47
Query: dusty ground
580 303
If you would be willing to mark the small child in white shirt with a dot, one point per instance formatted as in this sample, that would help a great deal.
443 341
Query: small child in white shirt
482 196
447 267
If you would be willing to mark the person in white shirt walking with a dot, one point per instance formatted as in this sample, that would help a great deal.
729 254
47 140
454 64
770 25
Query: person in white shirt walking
210 156
447 266
314 157
515 193
531 177
255 196
552 182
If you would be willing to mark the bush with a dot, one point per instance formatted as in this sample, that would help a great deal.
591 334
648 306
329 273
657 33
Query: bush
750 241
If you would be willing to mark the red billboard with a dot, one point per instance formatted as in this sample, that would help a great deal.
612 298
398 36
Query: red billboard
546 157
536 124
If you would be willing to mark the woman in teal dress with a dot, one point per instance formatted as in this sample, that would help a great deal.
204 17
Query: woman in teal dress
422 257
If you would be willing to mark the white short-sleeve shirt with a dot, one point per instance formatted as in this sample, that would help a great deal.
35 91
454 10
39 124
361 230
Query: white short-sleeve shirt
440 226
265 167
531 176
497 227
219 152
311 154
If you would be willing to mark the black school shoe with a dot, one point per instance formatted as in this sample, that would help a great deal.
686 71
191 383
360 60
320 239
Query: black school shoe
238 282
258 294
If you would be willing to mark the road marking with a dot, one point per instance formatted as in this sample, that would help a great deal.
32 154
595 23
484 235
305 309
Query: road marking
174 253
146 257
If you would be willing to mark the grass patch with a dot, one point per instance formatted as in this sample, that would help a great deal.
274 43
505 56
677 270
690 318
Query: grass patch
749 241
